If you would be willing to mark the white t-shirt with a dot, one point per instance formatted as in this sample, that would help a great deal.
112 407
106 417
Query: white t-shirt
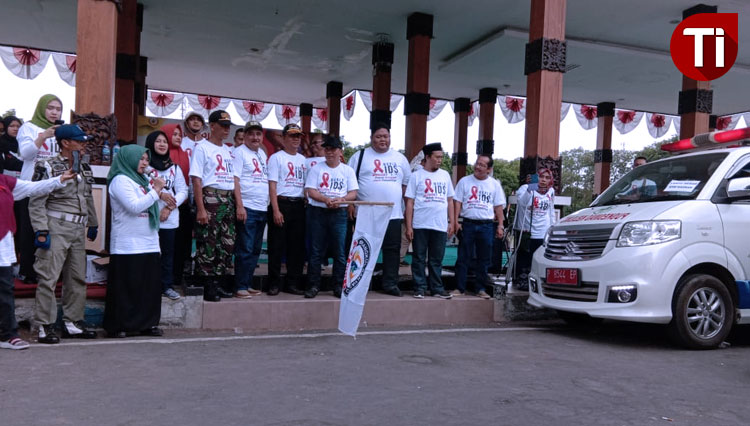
30 154
479 197
131 233
213 164
178 188
288 171
188 145
312 161
541 213
331 183
251 167
430 191
381 177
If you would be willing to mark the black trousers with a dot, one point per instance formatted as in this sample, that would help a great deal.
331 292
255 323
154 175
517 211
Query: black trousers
183 242
24 239
287 240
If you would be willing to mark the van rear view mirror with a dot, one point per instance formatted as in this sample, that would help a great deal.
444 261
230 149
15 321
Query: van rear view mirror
739 187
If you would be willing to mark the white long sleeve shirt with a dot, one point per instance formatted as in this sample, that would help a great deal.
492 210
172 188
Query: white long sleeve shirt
131 233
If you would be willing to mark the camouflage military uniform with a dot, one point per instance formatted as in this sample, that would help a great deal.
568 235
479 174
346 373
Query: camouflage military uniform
215 240
65 213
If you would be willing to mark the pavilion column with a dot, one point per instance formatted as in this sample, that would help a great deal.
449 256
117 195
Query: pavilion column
334 91
417 100
130 82
605 112
96 53
382 60
487 101
695 101
544 68
461 108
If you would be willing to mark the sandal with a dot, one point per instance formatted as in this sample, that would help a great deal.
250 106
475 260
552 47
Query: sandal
14 343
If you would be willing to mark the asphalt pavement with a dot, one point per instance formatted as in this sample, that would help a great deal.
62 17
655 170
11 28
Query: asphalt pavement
519 374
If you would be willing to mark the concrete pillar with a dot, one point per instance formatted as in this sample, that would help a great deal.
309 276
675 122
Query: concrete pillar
544 68
487 101
382 60
605 112
695 102
334 91
461 108
130 82
417 100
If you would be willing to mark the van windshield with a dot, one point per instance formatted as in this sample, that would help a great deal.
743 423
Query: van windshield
675 178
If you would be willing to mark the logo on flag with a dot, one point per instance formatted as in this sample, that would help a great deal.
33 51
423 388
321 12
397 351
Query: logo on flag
359 258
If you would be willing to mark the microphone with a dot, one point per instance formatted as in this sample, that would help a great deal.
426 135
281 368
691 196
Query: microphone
150 172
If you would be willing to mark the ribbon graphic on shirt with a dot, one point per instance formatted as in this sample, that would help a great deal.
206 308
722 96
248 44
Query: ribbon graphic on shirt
474 191
428 186
290 166
257 166
325 177
44 144
378 163
221 163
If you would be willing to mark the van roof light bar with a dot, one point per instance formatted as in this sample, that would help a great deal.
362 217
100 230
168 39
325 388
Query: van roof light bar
708 140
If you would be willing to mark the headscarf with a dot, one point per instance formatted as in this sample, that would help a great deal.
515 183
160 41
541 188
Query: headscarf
126 163
7 141
158 161
39 118
178 156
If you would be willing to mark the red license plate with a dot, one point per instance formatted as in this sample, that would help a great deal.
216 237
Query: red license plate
563 276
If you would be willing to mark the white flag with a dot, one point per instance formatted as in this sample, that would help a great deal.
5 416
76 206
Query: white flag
372 222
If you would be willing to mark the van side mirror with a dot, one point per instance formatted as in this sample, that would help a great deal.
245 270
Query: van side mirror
739 187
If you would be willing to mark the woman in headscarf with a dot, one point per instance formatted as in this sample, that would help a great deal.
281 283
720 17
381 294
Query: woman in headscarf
133 303
36 141
10 162
184 236
174 194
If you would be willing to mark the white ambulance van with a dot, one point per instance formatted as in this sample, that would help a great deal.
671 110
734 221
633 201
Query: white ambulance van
669 243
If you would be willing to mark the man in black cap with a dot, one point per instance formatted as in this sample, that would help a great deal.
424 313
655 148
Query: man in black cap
286 216
430 220
329 184
60 220
213 184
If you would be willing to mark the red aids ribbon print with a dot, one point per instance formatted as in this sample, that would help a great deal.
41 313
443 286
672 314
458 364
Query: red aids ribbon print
325 177
428 186
378 163
290 166
221 163
474 191
257 166
44 144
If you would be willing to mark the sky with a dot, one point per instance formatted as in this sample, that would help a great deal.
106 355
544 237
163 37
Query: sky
23 94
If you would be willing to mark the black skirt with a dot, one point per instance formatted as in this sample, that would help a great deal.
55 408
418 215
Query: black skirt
133 302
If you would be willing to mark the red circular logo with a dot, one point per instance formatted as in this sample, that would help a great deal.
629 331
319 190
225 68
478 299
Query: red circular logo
704 46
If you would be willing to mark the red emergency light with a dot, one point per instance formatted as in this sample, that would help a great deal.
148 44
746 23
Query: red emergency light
707 140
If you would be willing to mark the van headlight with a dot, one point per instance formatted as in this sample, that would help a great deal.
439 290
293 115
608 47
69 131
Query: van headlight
649 232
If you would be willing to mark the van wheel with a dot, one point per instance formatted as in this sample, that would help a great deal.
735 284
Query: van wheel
576 319
702 312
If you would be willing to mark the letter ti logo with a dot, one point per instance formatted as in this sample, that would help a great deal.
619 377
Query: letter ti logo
704 45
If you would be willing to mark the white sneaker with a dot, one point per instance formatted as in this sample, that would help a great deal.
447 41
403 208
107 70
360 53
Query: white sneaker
14 343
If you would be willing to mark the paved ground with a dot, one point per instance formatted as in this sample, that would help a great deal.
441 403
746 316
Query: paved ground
540 375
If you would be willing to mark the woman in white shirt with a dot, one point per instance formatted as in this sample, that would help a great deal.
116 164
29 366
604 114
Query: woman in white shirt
133 303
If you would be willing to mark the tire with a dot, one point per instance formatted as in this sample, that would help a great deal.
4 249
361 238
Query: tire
576 319
702 312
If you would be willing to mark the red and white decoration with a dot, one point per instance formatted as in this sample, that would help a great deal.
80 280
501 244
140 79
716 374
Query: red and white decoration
586 115
163 103
626 120
66 67
676 121
395 100
287 114
252 111
205 104
348 103
320 118
513 108
473 112
23 62
727 122
658 124
564 108
436 107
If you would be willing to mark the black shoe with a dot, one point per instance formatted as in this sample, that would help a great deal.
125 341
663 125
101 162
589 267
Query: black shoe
311 293
393 291
337 292
294 290
47 335
117 335
77 329
442 294
224 294
273 291
153 331
209 292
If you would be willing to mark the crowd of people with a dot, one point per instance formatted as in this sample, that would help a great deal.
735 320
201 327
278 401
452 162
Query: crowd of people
181 187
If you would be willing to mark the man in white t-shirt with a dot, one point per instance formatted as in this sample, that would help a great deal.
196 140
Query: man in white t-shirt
251 197
430 221
286 216
382 174
316 145
328 185
479 200
213 183
194 127
535 215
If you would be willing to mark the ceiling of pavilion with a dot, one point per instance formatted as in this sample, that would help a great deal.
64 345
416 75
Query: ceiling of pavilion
284 51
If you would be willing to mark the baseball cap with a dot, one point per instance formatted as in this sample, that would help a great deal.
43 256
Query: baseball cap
71 132
253 125
292 129
332 142
221 117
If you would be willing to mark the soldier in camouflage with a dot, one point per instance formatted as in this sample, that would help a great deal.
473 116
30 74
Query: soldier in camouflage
60 220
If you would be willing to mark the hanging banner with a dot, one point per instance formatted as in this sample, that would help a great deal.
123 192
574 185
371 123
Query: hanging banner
347 104
625 120
287 114
372 222
252 111
205 104
473 112
66 67
367 100
161 104
658 124
436 107
23 62
586 115
564 108
727 122
320 118
513 108
676 121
